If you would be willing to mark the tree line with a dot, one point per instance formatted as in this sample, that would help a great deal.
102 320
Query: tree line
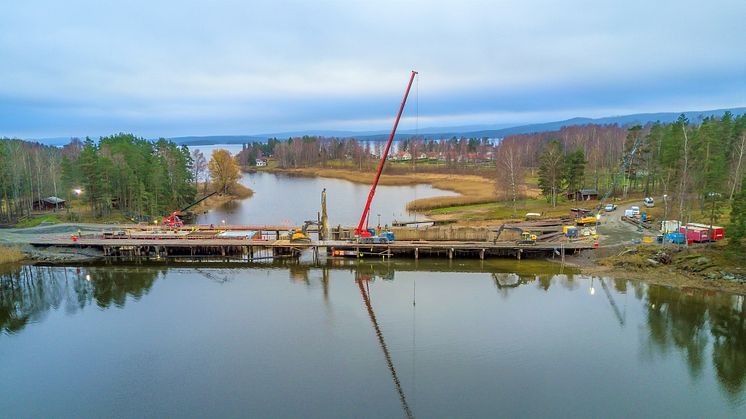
28 172
314 151
137 176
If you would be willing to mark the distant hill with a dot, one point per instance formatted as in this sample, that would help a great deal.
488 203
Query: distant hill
623 120
478 131
489 131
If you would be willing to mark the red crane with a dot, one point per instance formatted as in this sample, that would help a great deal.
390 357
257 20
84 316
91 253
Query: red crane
173 220
359 231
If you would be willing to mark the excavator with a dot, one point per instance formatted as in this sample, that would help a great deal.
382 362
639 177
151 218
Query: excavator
362 233
300 235
526 237
174 221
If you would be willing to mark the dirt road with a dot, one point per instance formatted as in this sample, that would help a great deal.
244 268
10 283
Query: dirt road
613 230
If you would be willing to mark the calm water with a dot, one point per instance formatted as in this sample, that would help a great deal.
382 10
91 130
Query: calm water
290 200
343 339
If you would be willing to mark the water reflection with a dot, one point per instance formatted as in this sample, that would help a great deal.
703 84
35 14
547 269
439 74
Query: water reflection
688 319
28 293
706 330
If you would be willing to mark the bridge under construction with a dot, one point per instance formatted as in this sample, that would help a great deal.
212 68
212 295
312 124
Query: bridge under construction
256 243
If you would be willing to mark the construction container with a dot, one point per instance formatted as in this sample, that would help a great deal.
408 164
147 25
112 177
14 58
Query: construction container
670 226
675 238
695 234
718 233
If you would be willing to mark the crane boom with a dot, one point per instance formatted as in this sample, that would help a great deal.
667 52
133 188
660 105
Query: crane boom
359 230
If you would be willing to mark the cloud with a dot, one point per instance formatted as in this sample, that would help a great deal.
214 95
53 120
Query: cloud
189 67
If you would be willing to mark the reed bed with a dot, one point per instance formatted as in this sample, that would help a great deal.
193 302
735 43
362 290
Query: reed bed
11 254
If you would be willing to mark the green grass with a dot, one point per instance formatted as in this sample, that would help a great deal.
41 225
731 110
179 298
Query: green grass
446 210
35 221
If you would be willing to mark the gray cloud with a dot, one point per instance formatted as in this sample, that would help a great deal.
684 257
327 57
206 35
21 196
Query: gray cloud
189 67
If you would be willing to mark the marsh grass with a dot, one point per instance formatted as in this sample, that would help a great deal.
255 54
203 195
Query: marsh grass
11 254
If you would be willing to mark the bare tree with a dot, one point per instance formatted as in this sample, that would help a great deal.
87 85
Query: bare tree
510 171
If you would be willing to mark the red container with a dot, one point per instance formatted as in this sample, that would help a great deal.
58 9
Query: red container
695 234
718 233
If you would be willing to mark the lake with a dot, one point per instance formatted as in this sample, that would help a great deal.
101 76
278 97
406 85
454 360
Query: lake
427 338
290 200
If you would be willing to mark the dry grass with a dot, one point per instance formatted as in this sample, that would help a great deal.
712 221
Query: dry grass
472 189
11 254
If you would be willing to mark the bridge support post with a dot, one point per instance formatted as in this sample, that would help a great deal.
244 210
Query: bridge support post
416 253
481 254
450 253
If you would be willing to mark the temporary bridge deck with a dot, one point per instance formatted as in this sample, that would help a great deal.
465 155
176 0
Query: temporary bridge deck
248 249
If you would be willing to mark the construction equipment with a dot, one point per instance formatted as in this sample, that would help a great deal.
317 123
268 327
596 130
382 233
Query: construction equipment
584 217
300 235
173 220
361 232
385 237
527 238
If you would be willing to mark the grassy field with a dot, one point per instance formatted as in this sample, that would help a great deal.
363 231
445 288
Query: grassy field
35 221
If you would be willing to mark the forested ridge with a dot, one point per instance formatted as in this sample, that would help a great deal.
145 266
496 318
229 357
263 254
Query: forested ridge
120 172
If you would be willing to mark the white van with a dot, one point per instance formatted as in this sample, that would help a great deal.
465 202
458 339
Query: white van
648 201
635 209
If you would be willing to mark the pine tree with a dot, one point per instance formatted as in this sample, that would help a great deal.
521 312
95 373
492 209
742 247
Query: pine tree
737 227
574 173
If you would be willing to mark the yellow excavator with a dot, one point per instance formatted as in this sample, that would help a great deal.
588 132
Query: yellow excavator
300 235
526 237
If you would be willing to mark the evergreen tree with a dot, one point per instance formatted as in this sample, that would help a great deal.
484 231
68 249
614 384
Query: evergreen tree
737 227
574 170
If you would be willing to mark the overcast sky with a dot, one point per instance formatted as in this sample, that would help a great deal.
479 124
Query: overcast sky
170 68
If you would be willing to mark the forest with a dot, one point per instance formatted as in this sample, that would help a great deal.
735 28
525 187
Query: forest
121 172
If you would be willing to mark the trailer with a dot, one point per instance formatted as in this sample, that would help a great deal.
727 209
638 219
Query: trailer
670 226
718 233
695 234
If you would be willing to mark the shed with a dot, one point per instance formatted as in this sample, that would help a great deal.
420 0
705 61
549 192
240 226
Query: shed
583 195
49 203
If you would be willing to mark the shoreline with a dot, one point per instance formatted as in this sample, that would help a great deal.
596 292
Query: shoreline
472 189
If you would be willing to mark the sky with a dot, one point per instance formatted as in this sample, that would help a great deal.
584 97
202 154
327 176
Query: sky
175 68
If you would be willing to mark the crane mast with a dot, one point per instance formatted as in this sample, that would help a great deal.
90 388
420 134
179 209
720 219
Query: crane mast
359 231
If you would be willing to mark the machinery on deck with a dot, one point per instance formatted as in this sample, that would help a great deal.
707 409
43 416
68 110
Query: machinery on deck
173 220
526 237
365 234
300 235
